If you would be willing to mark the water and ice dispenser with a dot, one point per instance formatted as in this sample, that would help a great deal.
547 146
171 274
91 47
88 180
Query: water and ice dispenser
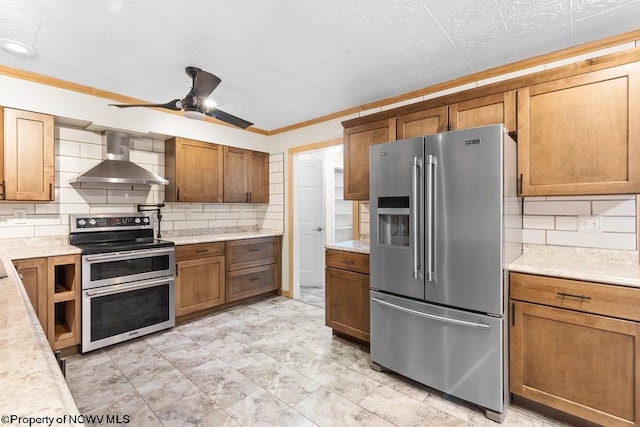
393 221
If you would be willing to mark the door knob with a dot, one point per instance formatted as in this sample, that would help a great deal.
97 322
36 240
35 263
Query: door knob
319 229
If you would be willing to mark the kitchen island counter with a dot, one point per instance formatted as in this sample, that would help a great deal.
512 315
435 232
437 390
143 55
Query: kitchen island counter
591 265
32 383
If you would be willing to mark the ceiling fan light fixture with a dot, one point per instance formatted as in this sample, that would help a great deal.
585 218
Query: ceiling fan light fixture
210 103
194 114
17 47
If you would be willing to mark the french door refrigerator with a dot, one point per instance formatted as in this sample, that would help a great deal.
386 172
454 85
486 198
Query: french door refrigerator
445 221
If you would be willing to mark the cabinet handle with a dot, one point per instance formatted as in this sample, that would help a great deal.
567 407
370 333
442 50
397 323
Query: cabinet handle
250 198
348 261
564 294
253 279
50 191
178 195
513 314
177 271
520 185
199 251
254 250
3 195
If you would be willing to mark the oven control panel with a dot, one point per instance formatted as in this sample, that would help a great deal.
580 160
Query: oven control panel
110 222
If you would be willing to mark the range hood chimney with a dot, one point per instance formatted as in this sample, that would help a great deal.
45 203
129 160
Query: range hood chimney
117 168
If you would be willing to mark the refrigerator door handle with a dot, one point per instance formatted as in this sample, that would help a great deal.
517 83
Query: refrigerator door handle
433 316
431 185
416 165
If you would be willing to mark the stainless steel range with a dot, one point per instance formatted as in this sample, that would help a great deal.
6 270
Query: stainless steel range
128 287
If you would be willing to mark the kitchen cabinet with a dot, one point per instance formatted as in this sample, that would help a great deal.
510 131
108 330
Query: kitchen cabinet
578 135
347 293
53 287
357 141
26 156
483 111
253 267
574 347
194 171
246 176
200 277
420 123
33 273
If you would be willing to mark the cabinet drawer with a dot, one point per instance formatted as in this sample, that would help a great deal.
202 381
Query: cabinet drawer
251 281
350 261
199 250
251 253
609 300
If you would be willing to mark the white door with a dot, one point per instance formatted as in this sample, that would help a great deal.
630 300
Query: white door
309 218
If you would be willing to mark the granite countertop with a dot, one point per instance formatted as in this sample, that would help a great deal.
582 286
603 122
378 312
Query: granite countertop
37 247
32 383
592 265
221 237
358 246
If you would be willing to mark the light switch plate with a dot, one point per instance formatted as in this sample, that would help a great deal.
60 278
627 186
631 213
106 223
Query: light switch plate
19 216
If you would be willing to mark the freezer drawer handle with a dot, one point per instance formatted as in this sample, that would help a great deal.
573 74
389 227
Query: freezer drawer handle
433 316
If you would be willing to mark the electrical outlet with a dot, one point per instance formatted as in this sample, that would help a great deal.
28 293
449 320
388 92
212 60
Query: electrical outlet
19 216
589 224
187 213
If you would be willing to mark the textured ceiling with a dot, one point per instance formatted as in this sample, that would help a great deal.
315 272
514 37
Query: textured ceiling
286 61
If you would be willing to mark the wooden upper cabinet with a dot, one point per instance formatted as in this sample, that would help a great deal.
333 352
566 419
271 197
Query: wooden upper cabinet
194 171
246 176
259 191
579 135
357 141
421 123
487 110
27 151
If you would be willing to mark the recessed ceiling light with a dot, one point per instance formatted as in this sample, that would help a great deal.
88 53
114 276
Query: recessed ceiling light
17 47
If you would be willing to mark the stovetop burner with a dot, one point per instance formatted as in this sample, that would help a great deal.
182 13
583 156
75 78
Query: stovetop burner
103 233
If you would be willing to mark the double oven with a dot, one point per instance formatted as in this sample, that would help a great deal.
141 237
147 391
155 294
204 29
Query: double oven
127 284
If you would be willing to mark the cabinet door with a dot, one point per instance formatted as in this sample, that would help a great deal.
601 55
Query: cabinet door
487 110
578 135
347 302
582 364
357 141
259 191
200 284
422 123
194 171
237 164
33 273
28 155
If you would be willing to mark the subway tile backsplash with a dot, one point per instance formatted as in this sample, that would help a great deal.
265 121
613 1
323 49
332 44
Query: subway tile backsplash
555 221
77 150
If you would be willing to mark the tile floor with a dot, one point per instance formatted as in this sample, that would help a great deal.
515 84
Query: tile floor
313 295
272 363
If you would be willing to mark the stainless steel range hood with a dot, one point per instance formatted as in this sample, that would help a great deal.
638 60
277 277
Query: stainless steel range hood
117 168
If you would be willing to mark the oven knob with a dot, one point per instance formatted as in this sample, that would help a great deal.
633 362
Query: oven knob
146 220
92 222
82 222
137 220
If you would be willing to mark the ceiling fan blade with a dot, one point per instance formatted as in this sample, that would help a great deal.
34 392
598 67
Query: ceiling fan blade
204 83
171 105
228 118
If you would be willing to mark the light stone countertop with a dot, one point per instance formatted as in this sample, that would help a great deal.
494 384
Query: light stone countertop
221 237
358 246
36 247
32 383
592 265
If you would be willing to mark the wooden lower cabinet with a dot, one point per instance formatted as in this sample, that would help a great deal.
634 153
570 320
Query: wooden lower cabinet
200 277
53 287
253 267
584 364
347 293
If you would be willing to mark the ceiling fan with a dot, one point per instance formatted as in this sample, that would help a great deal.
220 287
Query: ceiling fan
193 104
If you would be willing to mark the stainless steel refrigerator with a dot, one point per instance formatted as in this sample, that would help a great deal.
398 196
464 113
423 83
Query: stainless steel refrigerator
445 221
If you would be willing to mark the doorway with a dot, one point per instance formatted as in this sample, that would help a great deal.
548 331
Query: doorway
319 216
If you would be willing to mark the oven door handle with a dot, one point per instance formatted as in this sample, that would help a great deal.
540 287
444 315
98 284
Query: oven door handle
118 255
116 289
